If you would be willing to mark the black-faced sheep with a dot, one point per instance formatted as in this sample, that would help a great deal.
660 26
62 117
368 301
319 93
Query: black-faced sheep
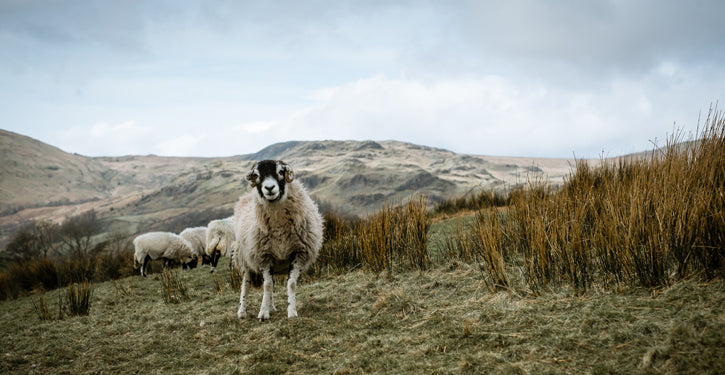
162 245
220 239
279 230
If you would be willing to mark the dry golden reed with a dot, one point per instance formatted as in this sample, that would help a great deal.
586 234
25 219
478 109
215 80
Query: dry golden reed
645 220
79 298
41 308
394 238
173 290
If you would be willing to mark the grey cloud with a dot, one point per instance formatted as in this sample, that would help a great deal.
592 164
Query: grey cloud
599 36
116 24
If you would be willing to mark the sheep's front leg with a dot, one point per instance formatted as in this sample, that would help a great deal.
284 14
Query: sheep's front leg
268 287
215 260
242 312
292 290
144 265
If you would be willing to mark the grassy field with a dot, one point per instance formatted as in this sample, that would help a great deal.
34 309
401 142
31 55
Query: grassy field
443 320
621 271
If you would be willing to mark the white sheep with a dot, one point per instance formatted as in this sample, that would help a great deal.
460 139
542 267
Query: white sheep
197 237
279 230
220 238
162 245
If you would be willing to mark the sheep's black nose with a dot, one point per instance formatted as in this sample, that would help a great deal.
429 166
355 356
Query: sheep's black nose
269 188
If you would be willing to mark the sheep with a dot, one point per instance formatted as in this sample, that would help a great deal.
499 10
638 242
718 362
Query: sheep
197 237
279 229
162 245
220 238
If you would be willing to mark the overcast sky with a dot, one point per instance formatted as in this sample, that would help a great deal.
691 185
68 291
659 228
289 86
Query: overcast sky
216 78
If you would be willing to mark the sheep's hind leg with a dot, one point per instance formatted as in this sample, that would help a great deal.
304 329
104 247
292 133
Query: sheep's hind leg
292 290
271 300
268 287
242 312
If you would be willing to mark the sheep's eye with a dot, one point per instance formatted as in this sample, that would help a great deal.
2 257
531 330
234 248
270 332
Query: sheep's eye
281 173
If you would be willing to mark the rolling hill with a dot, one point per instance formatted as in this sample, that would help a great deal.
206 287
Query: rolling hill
133 193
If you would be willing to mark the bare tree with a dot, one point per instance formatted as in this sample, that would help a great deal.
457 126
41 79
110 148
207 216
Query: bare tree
33 240
47 234
76 232
23 245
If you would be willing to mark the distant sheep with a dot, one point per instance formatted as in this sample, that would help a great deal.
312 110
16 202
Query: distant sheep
220 239
279 230
197 237
163 245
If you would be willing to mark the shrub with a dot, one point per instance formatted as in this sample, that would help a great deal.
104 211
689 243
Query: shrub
9 288
478 201
109 260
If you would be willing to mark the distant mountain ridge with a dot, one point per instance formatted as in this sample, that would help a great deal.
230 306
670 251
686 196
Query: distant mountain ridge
40 181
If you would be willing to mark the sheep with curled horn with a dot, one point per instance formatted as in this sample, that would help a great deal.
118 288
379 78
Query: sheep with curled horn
278 230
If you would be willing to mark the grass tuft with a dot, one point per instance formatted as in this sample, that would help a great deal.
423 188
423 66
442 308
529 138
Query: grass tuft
78 298
41 308
173 290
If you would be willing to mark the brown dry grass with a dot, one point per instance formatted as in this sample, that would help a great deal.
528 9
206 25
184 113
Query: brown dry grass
639 221
443 320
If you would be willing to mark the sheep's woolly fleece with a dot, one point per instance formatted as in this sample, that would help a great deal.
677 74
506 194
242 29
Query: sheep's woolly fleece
279 229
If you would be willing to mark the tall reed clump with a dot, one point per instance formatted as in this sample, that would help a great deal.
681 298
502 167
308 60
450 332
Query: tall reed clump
483 243
394 238
340 246
641 220
79 298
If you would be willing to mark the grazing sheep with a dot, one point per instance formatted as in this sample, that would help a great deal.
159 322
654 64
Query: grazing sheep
197 238
278 229
220 239
163 245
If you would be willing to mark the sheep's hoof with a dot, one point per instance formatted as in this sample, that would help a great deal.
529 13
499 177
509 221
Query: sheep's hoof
241 314
263 316
291 313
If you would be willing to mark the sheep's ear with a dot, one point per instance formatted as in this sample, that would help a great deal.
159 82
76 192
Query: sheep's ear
289 174
252 176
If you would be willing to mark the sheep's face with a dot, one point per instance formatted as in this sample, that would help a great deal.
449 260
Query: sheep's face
191 262
270 177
